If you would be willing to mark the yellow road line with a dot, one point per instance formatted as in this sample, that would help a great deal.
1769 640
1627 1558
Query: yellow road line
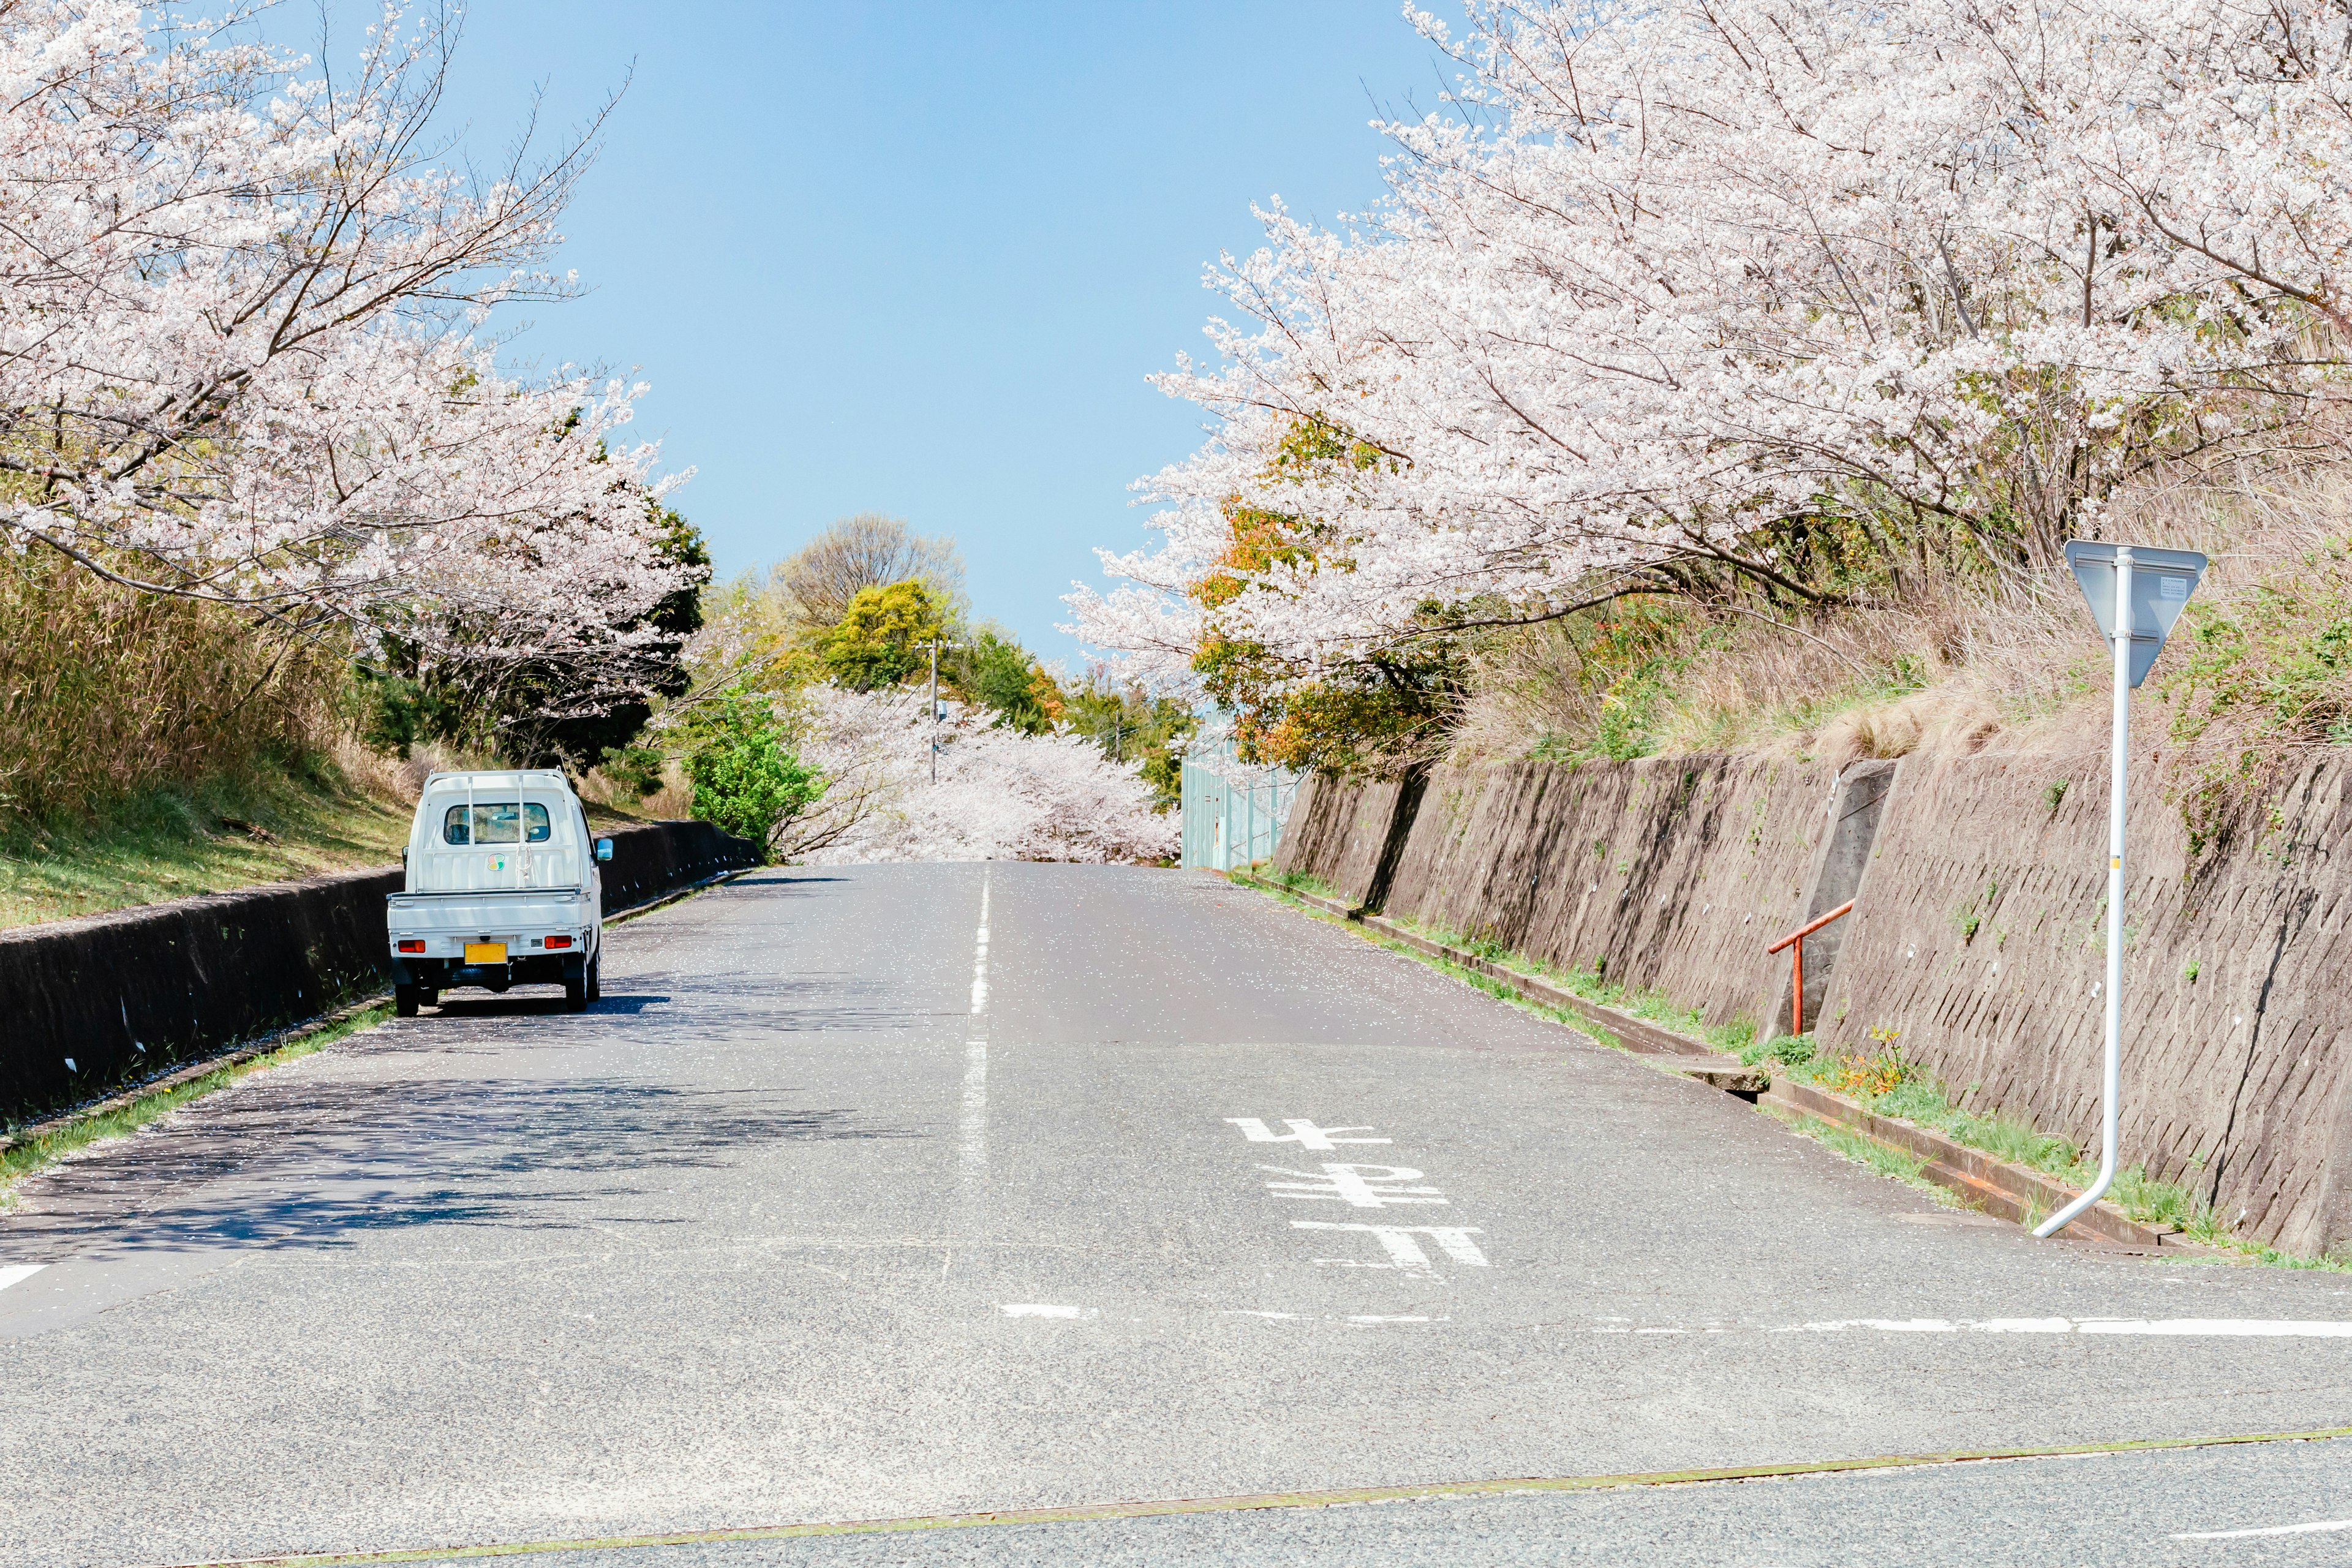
1084 1512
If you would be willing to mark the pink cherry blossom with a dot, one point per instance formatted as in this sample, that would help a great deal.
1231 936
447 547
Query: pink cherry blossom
1001 794
1671 281
237 349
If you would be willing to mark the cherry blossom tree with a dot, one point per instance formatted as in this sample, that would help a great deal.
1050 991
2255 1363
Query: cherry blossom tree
1001 794
238 350
1765 297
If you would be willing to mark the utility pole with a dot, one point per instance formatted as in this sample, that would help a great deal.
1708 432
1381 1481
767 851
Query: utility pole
935 646
2136 592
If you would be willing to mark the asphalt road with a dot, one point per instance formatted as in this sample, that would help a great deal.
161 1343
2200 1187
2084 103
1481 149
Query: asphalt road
850 1202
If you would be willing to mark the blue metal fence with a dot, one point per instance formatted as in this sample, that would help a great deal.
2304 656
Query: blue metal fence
1232 814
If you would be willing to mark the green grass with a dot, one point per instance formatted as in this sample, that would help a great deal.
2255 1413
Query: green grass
1298 882
1650 1005
39 1152
173 843
1897 1165
1925 1101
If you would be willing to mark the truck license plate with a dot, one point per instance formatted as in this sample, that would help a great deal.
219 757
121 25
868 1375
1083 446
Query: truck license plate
485 952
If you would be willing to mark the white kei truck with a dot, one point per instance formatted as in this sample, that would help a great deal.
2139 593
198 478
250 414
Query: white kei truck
502 890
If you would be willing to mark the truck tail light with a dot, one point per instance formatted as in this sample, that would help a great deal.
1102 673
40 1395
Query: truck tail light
559 941
408 946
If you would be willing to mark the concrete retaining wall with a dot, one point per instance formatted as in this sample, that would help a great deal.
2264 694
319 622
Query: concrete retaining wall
1976 938
89 1005
1981 937
1666 873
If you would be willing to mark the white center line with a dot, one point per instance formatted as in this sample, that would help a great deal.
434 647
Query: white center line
12 1273
973 1157
2314 1529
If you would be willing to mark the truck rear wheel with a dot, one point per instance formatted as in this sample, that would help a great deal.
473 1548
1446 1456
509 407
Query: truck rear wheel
596 978
404 1001
576 995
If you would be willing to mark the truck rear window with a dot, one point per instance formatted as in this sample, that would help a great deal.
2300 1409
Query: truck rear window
496 822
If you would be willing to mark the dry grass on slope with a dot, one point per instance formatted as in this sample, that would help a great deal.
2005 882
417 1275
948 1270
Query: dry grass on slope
2259 672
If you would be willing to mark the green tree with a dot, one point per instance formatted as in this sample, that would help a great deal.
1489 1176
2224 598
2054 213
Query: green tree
1369 716
746 782
1132 727
997 672
878 640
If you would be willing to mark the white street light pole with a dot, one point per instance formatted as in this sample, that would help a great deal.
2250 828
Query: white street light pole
2136 595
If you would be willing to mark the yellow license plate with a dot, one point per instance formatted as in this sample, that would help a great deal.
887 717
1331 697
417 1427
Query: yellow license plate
485 952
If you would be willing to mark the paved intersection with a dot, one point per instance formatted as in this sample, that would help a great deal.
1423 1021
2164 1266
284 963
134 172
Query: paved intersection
849 1203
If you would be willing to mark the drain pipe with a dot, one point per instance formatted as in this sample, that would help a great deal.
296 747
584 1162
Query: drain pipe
2112 1088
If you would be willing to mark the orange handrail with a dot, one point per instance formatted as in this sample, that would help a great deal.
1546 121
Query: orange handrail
1796 963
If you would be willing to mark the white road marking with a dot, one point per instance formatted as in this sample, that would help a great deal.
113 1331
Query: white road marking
1404 1252
1355 1186
14 1273
1309 1138
974 1153
2313 1528
2231 1328
1042 1310
1358 1320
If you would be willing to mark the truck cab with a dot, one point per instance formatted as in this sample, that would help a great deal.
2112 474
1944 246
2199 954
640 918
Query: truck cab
502 890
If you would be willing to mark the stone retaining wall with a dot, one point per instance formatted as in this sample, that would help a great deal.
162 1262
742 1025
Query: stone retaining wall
89 1005
1976 941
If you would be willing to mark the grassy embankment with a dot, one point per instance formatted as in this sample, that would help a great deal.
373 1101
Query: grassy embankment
153 748
259 825
1884 1082
263 825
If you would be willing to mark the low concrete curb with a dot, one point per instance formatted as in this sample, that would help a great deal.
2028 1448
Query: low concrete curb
113 1004
1996 1186
192 1071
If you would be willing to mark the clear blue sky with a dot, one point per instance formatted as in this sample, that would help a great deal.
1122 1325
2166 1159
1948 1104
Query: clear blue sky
919 258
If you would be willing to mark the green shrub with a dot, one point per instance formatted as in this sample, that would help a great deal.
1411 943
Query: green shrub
746 781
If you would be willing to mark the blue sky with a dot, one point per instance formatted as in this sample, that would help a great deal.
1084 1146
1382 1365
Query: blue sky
919 258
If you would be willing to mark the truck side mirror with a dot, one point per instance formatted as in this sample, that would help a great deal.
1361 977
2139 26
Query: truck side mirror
603 849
